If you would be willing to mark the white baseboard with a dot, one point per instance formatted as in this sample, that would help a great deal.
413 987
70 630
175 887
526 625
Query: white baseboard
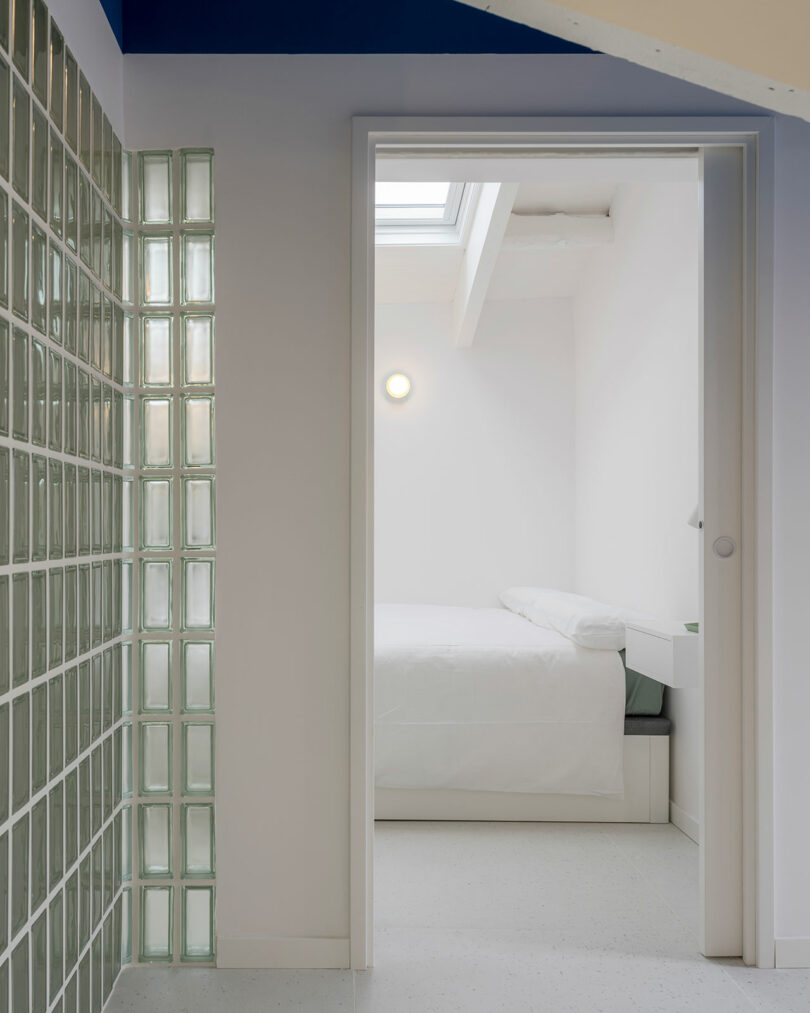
792 952
684 822
281 951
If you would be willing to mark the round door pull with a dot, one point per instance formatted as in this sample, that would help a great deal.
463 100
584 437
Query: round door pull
724 547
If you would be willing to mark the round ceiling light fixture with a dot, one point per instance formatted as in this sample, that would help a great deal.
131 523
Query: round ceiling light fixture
398 386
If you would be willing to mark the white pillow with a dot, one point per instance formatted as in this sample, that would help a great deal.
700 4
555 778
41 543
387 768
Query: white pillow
586 622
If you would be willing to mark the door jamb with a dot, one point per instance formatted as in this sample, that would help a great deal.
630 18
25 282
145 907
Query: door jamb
755 136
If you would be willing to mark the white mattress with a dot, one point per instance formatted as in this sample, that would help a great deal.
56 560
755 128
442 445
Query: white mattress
482 699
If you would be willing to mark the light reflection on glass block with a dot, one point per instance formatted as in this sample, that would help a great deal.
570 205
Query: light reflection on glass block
156 760
156 429
156 270
126 597
156 513
128 426
155 676
126 267
198 759
198 203
156 840
198 910
156 595
198 349
198 267
198 432
198 840
126 843
126 514
198 594
198 672
198 513
126 760
127 350
156 188
156 923
156 351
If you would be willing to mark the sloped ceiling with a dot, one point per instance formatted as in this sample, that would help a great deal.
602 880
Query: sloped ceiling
350 26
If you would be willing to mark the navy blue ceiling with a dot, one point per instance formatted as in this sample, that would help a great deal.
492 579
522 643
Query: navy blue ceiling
339 26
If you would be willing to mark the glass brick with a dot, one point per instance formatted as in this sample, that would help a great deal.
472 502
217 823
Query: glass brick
5 133
85 220
71 203
126 267
198 672
156 270
55 308
39 512
71 99
156 595
5 374
71 305
57 723
19 976
126 926
198 923
21 752
198 349
156 760
39 737
197 823
39 278
126 760
56 946
98 141
156 351
55 401
19 367
126 597
155 841
126 843
4 249
39 46
20 655
197 186
198 594
156 426
198 431
57 158
95 485
95 388
198 759
20 136
128 431
39 393
19 874
156 922
55 512
71 714
39 163
156 513
198 267
72 920
4 892
5 663
57 103
39 962
39 853
108 164
126 186
39 630
56 834
155 676
84 609
5 511
126 517
85 122
156 187
19 274
55 613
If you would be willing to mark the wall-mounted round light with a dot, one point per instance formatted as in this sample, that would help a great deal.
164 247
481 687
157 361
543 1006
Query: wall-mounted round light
398 386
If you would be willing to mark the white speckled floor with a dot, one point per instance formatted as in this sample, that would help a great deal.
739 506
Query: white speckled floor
519 918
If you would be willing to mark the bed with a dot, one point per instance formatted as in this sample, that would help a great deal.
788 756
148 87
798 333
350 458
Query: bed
482 714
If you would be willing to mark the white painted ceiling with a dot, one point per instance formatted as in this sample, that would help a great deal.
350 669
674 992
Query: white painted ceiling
429 273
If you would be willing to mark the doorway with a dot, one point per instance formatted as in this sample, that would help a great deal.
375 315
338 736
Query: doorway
730 888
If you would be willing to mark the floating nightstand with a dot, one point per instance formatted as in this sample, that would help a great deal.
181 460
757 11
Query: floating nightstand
666 652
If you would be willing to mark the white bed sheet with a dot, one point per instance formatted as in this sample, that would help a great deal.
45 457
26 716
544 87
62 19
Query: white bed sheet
482 699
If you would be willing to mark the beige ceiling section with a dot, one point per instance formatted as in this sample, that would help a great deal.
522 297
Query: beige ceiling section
755 50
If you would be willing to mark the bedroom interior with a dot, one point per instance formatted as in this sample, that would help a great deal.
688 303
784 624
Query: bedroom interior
536 475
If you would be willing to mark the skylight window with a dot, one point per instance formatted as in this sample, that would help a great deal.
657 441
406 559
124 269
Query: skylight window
419 212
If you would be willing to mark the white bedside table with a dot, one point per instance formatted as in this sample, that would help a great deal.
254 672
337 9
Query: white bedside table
663 651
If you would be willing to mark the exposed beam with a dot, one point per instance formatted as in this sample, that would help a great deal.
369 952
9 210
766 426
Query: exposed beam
754 50
490 220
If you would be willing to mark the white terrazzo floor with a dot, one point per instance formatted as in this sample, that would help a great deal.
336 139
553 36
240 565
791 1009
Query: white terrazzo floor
519 918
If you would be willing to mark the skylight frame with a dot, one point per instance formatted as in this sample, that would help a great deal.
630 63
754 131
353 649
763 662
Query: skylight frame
450 230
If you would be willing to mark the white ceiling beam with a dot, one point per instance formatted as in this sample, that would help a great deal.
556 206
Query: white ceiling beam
491 218
753 50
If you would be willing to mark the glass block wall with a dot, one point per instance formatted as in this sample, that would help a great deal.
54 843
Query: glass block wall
169 520
62 654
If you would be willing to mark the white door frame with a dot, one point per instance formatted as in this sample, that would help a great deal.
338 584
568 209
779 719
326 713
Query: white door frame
747 776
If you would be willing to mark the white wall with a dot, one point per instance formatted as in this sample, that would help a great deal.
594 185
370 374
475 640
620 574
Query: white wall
474 471
282 129
637 459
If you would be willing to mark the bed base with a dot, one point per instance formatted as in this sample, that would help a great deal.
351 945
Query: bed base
645 800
